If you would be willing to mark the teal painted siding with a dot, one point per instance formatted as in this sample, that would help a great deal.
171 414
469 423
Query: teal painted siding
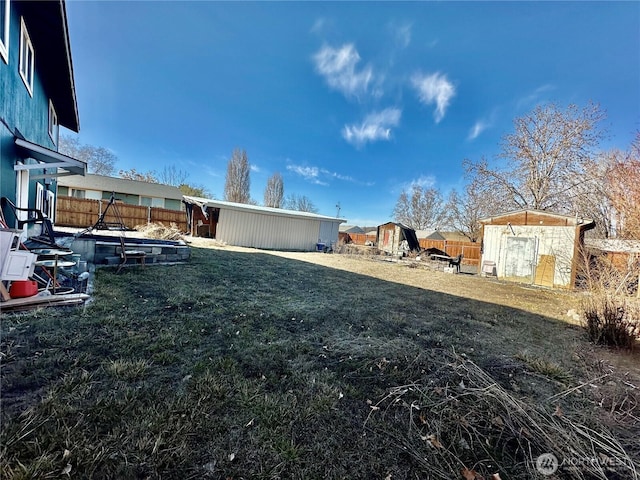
7 159
19 110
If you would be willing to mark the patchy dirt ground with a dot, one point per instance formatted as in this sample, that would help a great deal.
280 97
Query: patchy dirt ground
558 304
548 302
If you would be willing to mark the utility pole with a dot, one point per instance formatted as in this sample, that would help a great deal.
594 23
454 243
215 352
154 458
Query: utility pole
338 208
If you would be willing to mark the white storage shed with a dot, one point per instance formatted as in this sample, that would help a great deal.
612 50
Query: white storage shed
260 227
535 247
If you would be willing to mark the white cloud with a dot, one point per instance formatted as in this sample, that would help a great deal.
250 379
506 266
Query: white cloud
318 25
376 126
477 129
254 168
212 172
434 88
308 173
535 96
320 176
402 34
338 67
423 181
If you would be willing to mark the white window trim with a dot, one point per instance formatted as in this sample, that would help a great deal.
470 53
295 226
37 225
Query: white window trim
51 206
4 41
53 123
40 196
25 42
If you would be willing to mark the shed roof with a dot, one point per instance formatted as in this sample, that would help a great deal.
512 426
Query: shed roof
205 202
614 245
49 32
538 217
104 183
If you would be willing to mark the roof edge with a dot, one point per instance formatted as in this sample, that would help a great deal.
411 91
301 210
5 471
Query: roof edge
205 202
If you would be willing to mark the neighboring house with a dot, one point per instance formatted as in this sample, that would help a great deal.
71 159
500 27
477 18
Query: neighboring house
37 95
131 192
350 229
345 232
396 238
534 247
259 227
447 236
424 233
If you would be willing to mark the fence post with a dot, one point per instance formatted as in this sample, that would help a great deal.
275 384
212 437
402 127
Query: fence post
148 214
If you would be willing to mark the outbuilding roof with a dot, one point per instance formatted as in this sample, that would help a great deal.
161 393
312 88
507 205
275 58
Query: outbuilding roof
538 217
104 183
206 202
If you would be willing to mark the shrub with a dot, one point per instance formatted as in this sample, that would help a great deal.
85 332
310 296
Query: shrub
611 320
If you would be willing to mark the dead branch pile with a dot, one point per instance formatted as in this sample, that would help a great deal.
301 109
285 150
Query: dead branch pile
160 231
463 421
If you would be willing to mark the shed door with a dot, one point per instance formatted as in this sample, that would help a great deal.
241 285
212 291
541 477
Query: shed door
519 258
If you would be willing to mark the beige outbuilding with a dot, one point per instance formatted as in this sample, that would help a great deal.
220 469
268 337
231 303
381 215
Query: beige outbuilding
535 247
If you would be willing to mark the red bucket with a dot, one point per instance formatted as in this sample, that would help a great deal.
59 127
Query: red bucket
23 288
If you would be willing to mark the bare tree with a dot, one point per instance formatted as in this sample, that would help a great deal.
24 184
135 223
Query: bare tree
195 191
274 191
133 174
547 158
464 211
423 208
171 175
100 160
237 185
623 189
299 203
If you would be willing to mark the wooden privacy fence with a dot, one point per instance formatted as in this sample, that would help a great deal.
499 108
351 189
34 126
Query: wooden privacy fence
470 250
82 213
360 238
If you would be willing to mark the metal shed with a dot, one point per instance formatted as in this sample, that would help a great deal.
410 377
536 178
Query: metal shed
259 227
396 238
534 247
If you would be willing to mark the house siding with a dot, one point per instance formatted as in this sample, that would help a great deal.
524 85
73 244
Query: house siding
131 192
21 111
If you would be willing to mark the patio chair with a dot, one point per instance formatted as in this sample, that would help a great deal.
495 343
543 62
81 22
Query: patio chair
455 262
125 255
39 228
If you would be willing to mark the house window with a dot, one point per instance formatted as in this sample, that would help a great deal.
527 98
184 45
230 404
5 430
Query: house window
4 30
145 201
53 123
51 205
78 193
26 57
41 197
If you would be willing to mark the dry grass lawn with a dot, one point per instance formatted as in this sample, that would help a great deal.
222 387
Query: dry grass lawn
253 364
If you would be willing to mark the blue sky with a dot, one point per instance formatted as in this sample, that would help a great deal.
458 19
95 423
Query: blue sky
350 102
